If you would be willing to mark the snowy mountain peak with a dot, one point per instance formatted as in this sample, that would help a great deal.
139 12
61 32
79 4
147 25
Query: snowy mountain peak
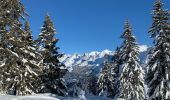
94 56
143 48
106 52
93 53
92 60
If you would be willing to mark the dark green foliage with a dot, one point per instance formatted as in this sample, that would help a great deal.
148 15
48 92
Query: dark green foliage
19 70
159 18
130 80
116 63
104 84
54 70
28 34
158 72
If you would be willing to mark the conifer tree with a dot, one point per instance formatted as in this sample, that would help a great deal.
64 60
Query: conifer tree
131 82
53 70
116 63
28 33
18 73
158 73
108 79
90 84
104 82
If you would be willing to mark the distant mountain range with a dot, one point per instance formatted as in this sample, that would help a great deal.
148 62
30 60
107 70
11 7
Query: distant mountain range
92 62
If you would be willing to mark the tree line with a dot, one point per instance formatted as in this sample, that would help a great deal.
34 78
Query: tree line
124 77
30 66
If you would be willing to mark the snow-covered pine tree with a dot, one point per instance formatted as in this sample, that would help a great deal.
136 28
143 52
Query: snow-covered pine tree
90 84
131 82
74 88
158 73
116 63
105 81
28 34
108 79
32 54
19 75
54 70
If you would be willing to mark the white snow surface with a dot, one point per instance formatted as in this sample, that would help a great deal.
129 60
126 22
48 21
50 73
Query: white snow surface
33 97
51 97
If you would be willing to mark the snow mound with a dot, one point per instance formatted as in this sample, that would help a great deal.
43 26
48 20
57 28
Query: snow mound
33 97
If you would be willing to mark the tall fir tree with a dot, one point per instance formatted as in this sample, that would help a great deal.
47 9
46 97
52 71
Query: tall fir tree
112 73
104 83
19 75
108 79
53 70
131 80
158 73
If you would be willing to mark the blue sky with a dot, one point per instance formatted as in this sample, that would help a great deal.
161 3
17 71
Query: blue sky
92 25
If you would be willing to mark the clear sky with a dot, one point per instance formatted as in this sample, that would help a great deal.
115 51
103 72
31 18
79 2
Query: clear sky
92 25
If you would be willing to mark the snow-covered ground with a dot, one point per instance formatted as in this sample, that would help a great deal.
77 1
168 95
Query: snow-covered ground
33 97
50 97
